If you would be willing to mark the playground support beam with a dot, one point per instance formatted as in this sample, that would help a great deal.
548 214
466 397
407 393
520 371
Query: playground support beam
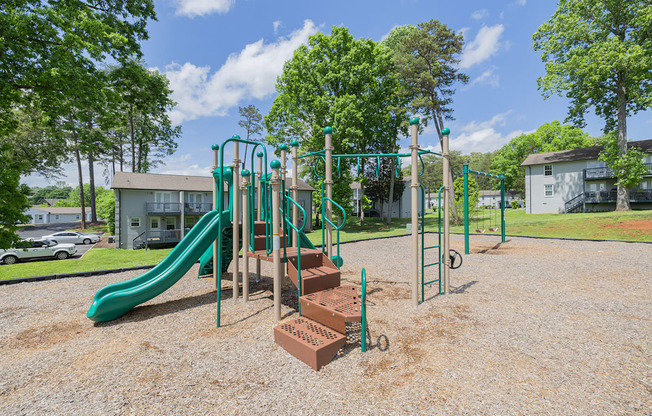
447 189
502 207
465 171
414 147
215 206
328 184
236 219
245 234
276 238
295 190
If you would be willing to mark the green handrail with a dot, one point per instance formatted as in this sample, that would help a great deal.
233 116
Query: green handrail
337 228
298 230
363 312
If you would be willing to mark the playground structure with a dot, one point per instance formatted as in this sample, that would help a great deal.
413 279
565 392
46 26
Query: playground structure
493 221
274 233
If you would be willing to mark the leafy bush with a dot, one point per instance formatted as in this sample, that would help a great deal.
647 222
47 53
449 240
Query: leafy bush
515 204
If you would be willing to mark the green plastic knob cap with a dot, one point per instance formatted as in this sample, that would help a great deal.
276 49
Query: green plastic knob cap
283 147
414 120
245 173
260 154
215 146
328 130
275 164
235 136
445 131
294 143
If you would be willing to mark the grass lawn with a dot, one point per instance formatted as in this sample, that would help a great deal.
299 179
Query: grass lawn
633 225
95 259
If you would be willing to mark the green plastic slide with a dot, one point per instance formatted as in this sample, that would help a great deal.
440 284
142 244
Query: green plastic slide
206 259
115 300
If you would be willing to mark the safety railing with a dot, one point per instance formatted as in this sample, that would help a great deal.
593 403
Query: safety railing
336 227
287 200
363 311
438 263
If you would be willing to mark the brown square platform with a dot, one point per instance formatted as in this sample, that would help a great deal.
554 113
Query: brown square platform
309 341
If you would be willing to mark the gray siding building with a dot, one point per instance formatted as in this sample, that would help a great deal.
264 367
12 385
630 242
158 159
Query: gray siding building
49 215
574 180
157 209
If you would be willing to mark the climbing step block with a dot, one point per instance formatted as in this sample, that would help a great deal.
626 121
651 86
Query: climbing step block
317 272
333 307
309 341
260 241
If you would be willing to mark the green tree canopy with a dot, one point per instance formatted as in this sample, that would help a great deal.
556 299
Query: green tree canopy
13 197
599 54
549 137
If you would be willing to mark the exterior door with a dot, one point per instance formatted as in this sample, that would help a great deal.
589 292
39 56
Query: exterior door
163 200
194 202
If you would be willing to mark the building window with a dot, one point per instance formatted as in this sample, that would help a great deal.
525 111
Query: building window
153 223
190 221
644 184
134 222
56 217
547 170
547 190
78 216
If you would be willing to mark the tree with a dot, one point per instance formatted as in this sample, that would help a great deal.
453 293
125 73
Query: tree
342 82
426 62
252 122
13 197
549 137
599 53
628 167
378 182
474 194
106 209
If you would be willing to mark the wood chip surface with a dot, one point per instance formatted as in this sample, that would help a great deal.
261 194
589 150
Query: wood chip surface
533 327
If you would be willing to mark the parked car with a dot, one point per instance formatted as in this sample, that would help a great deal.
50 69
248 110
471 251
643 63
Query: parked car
38 249
72 237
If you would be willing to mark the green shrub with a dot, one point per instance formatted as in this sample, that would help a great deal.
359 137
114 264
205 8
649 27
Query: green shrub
515 204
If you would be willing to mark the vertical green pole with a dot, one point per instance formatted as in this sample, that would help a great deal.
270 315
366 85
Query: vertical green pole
363 312
465 170
502 206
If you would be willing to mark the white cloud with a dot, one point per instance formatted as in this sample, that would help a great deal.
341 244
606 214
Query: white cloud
521 2
480 14
276 24
250 73
482 136
485 45
192 8
488 77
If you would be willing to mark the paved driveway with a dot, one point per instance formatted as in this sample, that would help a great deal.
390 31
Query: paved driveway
39 230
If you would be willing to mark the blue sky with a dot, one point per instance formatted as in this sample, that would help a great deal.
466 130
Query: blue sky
221 54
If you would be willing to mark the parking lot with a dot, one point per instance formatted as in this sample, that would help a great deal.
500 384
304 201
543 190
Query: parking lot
39 230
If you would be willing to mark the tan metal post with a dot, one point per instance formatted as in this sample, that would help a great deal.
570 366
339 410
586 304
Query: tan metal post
328 188
245 235
236 219
447 187
284 171
215 148
259 199
295 191
414 147
276 239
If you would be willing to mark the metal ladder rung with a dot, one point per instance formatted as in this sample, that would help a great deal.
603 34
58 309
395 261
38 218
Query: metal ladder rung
431 264
432 281
427 248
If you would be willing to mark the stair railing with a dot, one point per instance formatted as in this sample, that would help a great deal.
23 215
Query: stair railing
336 227
287 200
133 242
363 312
574 202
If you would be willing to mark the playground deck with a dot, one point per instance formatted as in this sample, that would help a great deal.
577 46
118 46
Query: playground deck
533 327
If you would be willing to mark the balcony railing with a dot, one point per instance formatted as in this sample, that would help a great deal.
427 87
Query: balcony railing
606 173
163 207
158 237
610 196
174 208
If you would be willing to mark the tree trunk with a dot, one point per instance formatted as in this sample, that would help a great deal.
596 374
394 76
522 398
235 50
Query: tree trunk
390 204
622 198
91 178
81 181
133 139
140 155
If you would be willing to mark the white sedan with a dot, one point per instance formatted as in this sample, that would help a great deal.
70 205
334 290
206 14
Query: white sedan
37 250
72 237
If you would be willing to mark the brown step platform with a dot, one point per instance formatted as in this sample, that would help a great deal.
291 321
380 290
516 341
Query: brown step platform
309 341
317 272
333 307
291 253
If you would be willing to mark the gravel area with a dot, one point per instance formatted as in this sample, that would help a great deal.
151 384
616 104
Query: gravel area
533 327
